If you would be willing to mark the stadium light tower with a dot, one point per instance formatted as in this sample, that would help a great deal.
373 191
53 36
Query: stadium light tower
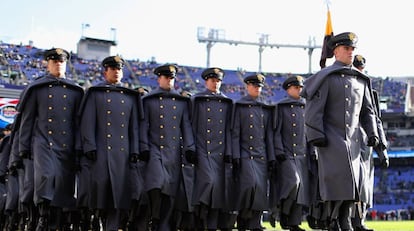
214 36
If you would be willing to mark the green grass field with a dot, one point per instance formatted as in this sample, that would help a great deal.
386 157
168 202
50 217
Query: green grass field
376 225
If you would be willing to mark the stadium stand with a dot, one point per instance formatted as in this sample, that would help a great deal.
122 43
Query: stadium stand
394 187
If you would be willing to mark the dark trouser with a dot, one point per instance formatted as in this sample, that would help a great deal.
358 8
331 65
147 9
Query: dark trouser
291 211
207 218
249 219
227 220
318 216
161 209
31 214
113 218
360 214
340 215
139 216
12 220
44 214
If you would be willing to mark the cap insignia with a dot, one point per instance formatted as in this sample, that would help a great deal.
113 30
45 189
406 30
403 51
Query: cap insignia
117 59
352 37
260 77
59 51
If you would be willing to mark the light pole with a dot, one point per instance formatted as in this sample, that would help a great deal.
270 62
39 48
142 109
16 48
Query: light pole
113 31
84 26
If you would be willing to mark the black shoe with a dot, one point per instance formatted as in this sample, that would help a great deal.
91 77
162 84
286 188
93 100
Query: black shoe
323 224
272 221
362 228
296 228
313 222
284 221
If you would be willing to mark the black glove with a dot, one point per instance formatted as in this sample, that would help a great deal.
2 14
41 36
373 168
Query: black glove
320 142
236 169
281 157
227 159
382 153
271 167
133 157
79 153
2 179
191 157
385 163
18 164
25 155
144 156
373 141
91 155
313 157
12 171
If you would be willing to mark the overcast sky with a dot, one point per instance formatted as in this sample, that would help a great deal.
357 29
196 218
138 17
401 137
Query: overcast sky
167 30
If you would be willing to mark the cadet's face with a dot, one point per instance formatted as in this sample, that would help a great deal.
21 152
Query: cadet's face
6 132
253 90
213 84
166 82
294 91
113 74
344 54
56 68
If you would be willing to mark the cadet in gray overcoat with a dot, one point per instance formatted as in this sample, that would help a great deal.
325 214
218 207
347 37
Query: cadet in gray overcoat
15 166
5 148
292 155
166 133
9 166
253 153
48 134
367 161
211 121
110 140
338 103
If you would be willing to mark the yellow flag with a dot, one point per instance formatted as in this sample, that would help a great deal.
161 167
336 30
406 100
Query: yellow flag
326 51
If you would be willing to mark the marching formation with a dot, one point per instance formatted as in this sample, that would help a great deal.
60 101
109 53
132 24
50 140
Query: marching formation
114 158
